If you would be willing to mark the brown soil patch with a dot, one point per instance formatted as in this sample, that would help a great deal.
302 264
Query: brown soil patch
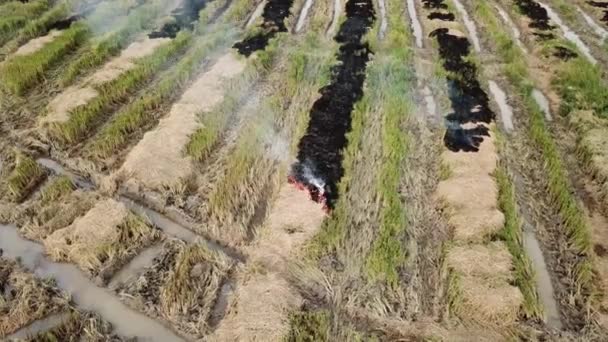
24 298
37 43
158 160
264 296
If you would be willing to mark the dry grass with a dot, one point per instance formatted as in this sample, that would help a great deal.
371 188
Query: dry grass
183 284
79 327
102 240
24 298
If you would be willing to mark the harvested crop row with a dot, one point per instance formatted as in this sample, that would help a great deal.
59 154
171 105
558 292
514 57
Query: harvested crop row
138 20
15 14
482 294
83 119
577 230
23 71
143 111
24 298
183 285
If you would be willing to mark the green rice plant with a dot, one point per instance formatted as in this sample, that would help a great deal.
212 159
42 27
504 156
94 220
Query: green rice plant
512 235
22 72
59 188
558 183
390 80
582 87
309 326
85 118
37 27
96 54
24 177
16 14
141 111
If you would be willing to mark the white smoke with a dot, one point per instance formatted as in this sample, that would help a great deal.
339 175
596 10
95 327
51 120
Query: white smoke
308 173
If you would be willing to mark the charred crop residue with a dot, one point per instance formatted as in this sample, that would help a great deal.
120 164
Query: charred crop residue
183 17
470 103
275 13
65 23
543 29
538 15
434 4
442 16
319 166
603 5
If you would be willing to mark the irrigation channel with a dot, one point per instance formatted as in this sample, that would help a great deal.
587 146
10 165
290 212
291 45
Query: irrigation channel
319 165
83 292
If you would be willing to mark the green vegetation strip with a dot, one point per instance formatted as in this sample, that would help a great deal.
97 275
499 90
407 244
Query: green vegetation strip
558 184
96 54
85 118
19 73
511 234
25 175
56 190
15 14
37 27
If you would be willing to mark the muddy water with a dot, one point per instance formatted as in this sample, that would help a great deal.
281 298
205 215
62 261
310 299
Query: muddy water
543 103
303 15
599 31
568 33
416 26
543 280
469 24
136 266
54 166
516 33
184 17
506 111
319 165
274 15
39 326
169 227
84 293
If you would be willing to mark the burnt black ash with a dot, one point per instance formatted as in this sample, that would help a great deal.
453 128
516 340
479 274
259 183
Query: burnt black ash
184 17
564 53
538 15
442 16
544 36
65 23
275 13
603 5
319 166
470 103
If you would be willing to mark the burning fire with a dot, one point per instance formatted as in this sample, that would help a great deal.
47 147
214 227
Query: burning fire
315 190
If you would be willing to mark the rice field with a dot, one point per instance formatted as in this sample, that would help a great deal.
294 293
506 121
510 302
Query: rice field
303 170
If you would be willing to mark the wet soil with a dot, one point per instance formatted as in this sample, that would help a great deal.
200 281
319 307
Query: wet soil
184 17
442 16
603 5
319 167
274 15
470 103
